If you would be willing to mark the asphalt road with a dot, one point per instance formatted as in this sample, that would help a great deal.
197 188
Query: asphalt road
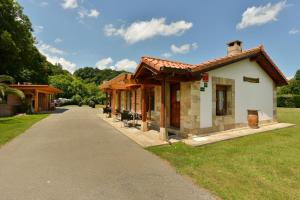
75 155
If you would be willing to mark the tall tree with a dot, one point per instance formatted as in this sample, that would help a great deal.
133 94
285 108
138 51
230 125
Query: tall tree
95 75
5 89
19 57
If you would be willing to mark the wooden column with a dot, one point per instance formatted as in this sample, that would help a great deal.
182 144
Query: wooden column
163 131
36 101
113 102
144 109
110 94
47 101
106 99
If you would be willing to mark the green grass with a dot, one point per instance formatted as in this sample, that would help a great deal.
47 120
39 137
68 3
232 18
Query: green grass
11 127
261 166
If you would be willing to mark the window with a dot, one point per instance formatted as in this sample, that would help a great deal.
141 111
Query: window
221 101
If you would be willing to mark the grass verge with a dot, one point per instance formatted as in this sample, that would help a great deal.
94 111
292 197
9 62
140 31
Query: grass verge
11 127
261 166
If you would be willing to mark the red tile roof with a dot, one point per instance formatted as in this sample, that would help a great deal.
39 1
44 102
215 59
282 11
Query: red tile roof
207 65
158 63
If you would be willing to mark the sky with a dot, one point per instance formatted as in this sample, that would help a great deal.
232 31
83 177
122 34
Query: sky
115 34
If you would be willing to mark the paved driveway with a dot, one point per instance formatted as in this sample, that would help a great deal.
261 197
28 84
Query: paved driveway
75 155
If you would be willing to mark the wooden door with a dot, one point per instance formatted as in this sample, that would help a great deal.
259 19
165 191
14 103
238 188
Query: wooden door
175 105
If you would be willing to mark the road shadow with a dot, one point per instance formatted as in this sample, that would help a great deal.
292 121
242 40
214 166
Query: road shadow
58 110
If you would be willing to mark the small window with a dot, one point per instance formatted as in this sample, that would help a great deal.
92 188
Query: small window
221 101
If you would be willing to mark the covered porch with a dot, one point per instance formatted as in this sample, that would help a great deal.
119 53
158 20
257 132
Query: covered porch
38 97
160 92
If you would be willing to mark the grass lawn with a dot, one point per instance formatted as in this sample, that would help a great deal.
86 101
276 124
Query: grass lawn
261 166
11 127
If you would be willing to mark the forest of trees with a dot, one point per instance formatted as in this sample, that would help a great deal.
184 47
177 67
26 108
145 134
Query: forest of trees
289 95
20 59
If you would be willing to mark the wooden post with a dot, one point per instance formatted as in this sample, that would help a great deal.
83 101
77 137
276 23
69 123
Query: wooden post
110 94
36 101
46 101
163 131
144 111
113 102
106 99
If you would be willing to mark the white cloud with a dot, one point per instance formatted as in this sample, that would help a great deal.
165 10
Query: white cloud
44 4
294 31
166 55
104 63
67 65
58 40
93 13
142 30
54 56
38 29
183 49
49 49
194 45
88 13
254 16
124 64
69 4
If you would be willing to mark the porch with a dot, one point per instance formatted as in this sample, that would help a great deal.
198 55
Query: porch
39 98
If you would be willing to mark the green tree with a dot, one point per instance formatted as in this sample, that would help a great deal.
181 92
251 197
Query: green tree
5 89
293 87
63 82
95 75
19 57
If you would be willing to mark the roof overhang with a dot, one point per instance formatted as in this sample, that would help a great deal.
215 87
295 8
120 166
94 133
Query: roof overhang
41 88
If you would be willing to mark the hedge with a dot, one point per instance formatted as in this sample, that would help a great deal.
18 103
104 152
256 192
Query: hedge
290 101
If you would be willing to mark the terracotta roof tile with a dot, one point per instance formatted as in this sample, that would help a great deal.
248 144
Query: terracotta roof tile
158 63
205 66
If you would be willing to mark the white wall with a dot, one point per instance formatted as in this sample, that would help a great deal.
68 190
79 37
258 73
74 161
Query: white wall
257 96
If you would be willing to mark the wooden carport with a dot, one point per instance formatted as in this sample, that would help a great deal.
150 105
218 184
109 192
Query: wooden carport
40 95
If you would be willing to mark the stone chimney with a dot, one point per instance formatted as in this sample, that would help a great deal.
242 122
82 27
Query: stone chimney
234 47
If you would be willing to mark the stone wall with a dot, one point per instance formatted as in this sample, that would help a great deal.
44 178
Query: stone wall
189 108
6 110
155 115
13 100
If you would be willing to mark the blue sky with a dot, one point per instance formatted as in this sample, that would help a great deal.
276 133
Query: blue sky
115 34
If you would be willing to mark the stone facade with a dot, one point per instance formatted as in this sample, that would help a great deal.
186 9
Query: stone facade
189 108
190 99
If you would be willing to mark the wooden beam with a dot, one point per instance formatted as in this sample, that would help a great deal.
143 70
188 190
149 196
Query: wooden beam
36 101
144 109
113 102
162 105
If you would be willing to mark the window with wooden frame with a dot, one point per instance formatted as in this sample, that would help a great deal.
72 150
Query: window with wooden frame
221 100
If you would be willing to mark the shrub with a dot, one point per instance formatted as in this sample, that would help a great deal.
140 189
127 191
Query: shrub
76 99
80 104
289 101
92 104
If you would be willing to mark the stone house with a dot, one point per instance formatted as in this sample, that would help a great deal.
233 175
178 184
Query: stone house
184 99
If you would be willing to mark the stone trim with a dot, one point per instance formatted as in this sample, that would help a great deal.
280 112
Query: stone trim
225 122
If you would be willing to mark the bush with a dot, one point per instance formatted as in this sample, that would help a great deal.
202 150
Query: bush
80 104
76 99
92 104
289 101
